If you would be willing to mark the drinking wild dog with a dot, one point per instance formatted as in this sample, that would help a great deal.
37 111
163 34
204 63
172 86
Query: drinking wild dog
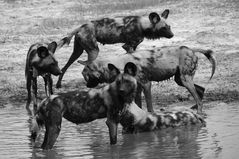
130 30
40 62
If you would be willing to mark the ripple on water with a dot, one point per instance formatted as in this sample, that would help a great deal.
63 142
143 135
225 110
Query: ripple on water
219 139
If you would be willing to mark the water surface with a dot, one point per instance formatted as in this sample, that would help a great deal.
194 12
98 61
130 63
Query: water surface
219 139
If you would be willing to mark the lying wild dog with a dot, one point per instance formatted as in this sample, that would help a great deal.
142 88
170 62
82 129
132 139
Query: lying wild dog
157 64
130 30
85 106
134 119
40 62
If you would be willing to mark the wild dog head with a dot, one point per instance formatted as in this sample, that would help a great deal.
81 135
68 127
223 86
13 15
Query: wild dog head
126 84
95 73
156 26
44 60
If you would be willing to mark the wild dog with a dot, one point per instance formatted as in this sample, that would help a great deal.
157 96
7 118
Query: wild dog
40 62
85 106
130 30
156 64
134 119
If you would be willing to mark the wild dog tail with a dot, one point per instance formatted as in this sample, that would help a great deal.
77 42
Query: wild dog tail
37 122
35 125
67 39
210 57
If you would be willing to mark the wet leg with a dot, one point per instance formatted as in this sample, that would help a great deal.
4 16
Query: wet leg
148 96
112 126
34 88
200 91
188 83
29 82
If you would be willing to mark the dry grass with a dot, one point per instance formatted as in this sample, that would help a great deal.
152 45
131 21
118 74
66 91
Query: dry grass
203 24
41 21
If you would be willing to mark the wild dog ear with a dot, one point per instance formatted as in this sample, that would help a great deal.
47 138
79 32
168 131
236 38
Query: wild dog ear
52 47
130 68
113 70
165 14
154 18
42 52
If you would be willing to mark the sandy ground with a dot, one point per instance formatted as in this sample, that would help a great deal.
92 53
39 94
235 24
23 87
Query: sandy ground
195 23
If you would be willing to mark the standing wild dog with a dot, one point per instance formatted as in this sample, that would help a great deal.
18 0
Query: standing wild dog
85 106
134 119
157 64
40 62
130 30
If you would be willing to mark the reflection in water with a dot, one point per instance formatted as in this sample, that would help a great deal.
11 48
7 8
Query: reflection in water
221 136
171 143
219 139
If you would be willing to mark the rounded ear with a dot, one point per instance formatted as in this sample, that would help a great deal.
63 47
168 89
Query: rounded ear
113 69
42 52
52 47
165 14
130 68
154 18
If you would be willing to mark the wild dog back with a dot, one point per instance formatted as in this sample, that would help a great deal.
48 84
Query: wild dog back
79 106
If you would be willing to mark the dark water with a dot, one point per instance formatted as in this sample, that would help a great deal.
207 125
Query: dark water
219 139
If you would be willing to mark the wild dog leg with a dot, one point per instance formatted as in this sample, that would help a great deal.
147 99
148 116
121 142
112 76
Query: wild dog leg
188 83
48 85
138 98
195 90
29 83
200 91
91 47
53 126
112 126
92 55
34 88
148 96
78 50
131 46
